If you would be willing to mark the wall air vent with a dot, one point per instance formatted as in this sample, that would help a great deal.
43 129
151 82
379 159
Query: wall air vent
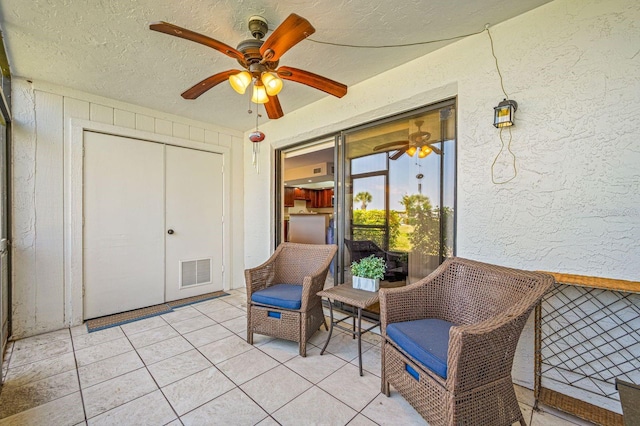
195 272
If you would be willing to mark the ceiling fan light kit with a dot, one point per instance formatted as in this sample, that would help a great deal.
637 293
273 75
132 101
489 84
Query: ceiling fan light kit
424 151
259 94
260 59
416 142
239 82
273 85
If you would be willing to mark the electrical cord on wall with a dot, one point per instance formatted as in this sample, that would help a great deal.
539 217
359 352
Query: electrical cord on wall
495 160
384 46
486 28
515 170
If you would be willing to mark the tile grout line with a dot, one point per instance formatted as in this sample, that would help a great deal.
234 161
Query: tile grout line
220 371
146 367
75 360
228 378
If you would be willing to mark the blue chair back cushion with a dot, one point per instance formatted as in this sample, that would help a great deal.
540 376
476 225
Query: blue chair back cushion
425 340
286 296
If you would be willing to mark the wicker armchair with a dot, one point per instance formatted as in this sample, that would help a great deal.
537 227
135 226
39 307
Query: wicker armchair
450 338
281 293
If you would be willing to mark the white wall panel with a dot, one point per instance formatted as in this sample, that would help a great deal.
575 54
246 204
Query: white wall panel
124 118
49 225
41 129
77 109
211 137
145 123
196 134
237 213
226 140
101 113
163 127
180 130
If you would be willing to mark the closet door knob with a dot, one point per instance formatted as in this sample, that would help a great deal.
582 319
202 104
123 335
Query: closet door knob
170 232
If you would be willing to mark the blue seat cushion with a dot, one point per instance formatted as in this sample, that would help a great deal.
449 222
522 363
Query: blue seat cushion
286 296
425 340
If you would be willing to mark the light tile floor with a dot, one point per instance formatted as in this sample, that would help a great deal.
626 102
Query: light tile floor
194 367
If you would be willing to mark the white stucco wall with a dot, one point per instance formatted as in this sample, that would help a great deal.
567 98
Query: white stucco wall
574 68
41 129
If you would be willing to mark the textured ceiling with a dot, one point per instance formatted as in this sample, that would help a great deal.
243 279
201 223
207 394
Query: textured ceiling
105 47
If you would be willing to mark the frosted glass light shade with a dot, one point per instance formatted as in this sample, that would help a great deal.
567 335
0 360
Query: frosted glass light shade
272 84
412 150
259 95
240 81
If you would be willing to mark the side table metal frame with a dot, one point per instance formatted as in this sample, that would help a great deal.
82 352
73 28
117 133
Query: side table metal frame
354 331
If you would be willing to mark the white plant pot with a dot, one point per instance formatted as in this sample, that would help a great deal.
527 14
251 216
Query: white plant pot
368 284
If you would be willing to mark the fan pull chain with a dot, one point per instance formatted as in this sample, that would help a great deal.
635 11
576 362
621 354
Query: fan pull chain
256 145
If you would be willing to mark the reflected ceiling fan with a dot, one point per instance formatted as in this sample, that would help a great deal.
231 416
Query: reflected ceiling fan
260 59
417 142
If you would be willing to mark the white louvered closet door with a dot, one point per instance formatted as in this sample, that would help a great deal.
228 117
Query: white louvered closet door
193 223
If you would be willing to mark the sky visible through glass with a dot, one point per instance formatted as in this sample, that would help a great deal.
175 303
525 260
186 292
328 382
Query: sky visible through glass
402 179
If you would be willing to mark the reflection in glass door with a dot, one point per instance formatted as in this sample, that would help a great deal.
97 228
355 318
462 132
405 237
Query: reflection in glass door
398 185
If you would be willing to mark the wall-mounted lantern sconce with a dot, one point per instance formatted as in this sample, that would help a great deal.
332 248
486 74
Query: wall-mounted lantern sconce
504 113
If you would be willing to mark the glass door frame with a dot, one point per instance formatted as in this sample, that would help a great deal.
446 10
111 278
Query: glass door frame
279 178
5 203
340 165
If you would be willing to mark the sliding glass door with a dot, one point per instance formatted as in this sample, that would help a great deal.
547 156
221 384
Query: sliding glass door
386 188
397 185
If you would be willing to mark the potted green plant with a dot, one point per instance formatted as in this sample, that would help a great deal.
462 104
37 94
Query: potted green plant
367 273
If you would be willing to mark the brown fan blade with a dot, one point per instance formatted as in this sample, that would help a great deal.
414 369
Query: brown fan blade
436 150
174 30
397 155
293 30
274 110
207 83
390 144
314 80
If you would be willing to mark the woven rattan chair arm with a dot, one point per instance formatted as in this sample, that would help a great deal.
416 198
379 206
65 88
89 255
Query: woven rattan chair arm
310 287
487 347
314 283
259 277
402 304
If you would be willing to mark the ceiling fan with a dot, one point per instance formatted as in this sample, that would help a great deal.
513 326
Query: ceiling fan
260 60
416 142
